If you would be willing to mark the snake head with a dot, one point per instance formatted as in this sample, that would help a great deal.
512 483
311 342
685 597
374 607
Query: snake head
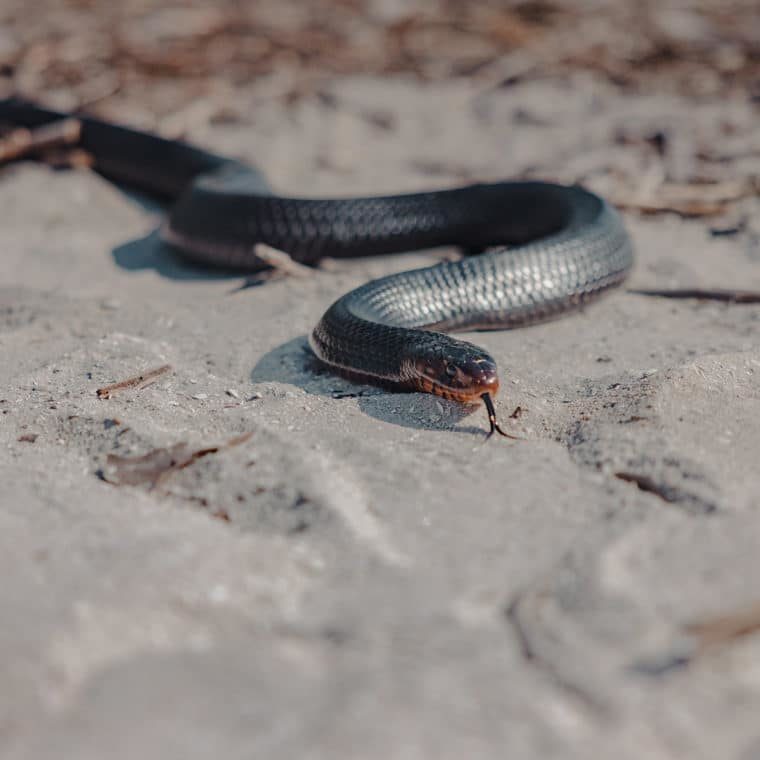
455 370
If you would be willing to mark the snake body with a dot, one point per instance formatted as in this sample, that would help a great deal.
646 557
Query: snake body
557 247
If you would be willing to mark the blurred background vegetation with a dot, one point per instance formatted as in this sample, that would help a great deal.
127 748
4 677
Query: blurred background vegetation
193 57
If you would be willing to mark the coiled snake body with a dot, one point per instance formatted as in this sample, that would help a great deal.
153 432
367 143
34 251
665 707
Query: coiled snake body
559 247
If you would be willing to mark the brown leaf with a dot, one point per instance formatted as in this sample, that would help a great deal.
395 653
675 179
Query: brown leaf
153 467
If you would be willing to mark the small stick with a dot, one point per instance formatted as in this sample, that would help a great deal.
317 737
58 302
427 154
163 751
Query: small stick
21 142
281 265
137 383
281 261
68 158
725 628
717 294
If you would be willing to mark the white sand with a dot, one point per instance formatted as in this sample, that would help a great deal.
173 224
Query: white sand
387 586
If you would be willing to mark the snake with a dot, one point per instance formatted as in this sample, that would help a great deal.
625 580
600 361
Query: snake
533 251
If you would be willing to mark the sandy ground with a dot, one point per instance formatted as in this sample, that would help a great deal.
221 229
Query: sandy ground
363 576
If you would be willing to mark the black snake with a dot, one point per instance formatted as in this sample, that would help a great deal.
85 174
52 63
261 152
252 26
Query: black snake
558 247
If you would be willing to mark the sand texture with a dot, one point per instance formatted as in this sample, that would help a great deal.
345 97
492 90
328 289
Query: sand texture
330 570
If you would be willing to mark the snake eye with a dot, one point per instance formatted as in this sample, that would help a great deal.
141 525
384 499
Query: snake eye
451 370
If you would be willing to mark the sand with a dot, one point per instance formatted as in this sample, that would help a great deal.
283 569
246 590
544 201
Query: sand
363 576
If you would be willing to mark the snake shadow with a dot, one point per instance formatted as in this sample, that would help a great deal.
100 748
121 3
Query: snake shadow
150 252
294 363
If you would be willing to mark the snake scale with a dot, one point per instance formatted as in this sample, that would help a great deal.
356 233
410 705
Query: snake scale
540 250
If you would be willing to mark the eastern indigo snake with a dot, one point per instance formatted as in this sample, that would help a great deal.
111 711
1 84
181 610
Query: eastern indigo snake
558 248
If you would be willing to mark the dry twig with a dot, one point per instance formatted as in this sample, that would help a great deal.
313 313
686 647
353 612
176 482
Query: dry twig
723 629
725 295
281 261
693 199
137 383
23 142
